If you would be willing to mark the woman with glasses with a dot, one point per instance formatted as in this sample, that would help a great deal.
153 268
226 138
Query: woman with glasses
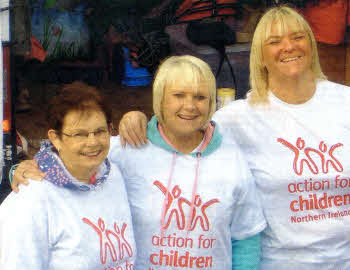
69 221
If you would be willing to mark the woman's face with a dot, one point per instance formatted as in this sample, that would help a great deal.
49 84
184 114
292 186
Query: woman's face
185 109
84 141
287 56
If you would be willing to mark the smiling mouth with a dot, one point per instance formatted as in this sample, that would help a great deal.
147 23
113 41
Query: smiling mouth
187 117
91 154
290 59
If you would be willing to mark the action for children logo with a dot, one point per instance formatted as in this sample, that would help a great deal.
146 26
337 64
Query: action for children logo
174 208
321 163
114 243
181 248
313 194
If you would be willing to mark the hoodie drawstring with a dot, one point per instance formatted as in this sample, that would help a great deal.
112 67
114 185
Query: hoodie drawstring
165 202
194 193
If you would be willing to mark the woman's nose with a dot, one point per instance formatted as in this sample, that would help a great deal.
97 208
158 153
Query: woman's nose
189 103
287 44
91 138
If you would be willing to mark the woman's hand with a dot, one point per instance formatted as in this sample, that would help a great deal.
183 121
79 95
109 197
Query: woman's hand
132 128
25 170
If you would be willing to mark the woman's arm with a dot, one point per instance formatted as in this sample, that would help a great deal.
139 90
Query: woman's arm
24 233
246 253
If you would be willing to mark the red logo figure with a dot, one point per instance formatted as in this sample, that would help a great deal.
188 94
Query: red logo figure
298 164
177 211
201 216
106 243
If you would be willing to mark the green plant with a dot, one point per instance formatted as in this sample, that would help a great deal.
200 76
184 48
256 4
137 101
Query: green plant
58 32
48 34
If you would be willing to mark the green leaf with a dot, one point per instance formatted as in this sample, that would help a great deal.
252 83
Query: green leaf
49 3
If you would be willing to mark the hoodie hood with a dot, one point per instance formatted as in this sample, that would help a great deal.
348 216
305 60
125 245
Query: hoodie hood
56 173
156 138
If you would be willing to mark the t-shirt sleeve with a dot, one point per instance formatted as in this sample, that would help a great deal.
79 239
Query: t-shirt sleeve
248 218
228 115
115 149
24 237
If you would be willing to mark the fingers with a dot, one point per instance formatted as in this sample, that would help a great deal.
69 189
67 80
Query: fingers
129 134
132 129
27 169
18 178
143 130
36 175
14 188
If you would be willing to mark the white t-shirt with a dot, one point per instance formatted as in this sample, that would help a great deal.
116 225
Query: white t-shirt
299 156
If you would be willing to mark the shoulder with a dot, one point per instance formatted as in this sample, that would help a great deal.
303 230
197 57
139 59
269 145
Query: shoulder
232 108
332 95
328 88
115 175
35 191
116 150
232 114
28 206
115 145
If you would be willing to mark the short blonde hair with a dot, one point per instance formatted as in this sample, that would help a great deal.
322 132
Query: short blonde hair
285 18
185 69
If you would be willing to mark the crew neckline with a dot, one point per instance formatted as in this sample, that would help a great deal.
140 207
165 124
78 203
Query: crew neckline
274 98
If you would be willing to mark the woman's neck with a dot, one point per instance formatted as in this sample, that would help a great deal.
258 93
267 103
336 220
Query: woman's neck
294 91
182 143
81 175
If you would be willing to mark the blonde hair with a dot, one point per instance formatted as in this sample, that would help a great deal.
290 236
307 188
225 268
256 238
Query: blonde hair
185 69
285 18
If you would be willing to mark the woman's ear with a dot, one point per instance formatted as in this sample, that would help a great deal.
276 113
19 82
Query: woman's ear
55 139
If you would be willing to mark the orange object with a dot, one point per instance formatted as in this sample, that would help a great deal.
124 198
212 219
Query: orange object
328 20
37 51
6 126
194 4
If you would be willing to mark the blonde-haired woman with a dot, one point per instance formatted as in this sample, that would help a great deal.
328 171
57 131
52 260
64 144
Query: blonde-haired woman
294 130
276 23
190 189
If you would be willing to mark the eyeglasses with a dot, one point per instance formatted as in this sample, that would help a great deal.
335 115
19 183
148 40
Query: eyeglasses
83 136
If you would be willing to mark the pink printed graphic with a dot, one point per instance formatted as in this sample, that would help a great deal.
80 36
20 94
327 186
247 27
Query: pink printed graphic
106 240
174 208
201 217
304 156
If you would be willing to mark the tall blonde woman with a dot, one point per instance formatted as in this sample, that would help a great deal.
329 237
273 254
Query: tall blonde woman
294 129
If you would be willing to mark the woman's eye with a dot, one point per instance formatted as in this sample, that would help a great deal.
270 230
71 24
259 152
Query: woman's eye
273 42
78 135
201 97
100 132
299 37
179 95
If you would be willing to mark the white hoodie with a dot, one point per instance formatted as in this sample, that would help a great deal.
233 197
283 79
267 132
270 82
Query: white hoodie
214 183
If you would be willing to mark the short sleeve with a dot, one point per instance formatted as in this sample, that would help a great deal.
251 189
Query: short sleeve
248 218
24 240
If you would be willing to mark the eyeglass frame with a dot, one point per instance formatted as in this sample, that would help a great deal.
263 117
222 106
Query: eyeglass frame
85 135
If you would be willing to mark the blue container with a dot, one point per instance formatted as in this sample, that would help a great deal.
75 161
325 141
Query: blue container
134 76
